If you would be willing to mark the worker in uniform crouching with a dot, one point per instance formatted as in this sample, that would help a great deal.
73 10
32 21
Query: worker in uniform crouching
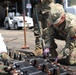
62 26
42 9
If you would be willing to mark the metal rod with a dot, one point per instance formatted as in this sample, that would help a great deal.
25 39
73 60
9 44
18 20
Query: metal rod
23 3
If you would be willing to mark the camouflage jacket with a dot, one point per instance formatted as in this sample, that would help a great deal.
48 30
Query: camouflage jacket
67 30
42 10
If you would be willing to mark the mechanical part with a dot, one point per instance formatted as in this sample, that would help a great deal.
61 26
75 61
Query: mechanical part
33 65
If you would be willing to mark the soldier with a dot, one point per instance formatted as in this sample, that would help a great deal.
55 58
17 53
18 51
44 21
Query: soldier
42 9
61 25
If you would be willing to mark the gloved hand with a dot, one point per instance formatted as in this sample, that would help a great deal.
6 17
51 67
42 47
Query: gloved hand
46 52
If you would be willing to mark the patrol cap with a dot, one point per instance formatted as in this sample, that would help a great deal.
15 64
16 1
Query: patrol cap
56 12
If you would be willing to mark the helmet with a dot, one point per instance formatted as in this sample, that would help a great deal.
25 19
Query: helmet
56 12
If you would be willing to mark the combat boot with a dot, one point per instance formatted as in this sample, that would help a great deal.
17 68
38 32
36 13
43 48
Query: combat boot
38 52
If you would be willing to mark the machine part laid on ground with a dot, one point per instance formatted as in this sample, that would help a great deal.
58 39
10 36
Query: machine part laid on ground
33 65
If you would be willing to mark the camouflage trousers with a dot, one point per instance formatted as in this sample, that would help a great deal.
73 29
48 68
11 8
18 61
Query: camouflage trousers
69 52
38 38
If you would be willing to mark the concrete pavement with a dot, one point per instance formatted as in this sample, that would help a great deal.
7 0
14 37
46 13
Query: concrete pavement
14 39
17 37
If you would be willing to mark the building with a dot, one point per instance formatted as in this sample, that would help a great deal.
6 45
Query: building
12 3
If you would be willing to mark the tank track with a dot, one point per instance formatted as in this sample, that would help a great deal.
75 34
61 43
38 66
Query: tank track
25 63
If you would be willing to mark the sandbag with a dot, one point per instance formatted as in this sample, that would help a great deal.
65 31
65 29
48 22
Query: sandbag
2 45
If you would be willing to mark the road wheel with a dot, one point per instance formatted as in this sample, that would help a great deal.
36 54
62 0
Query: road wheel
7 26
16 27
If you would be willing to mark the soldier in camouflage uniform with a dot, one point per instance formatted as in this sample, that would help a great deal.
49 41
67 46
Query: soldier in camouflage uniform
61 25
42 9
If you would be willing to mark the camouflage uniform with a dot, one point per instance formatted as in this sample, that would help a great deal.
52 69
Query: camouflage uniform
64 31
42 9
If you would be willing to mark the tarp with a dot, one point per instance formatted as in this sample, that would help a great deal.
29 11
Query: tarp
2 44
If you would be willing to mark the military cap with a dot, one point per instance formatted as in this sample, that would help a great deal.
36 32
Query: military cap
55 13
